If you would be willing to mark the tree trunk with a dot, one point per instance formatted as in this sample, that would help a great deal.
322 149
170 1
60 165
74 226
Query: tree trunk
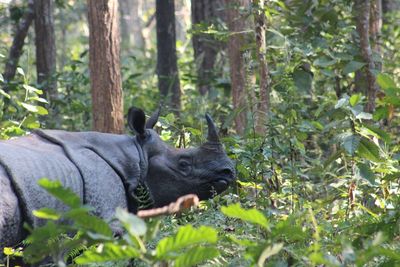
45 48
363 8
167 66
205 46
131 25
237 26
375 30
15 52
263 103
104 63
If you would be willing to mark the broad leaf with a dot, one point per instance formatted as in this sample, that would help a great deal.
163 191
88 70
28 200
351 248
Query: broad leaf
355 99
368 150
350 142
196 255
108 252
366 173
66 195
46 213
185 237
251 215
132 223
352 66
385 81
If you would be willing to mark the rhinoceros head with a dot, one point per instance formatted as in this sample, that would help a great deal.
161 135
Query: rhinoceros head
171 172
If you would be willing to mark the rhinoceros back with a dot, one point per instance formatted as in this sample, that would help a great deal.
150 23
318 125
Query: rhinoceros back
30 158
96 166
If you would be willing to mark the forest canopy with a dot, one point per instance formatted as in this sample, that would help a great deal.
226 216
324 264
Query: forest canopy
305 94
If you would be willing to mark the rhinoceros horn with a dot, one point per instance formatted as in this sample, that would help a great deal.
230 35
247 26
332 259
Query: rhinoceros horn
212 136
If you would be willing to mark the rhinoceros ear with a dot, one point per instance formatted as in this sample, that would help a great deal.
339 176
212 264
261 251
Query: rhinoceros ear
136 121
153 119
212 130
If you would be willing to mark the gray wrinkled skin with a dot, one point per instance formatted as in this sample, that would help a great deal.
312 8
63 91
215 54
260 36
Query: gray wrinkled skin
104 170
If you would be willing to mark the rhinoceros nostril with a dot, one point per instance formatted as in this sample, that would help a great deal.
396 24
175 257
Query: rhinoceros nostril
225 172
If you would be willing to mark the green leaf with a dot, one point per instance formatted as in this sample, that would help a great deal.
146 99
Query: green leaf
20 71
108 252
32 89
251 215
185 237
1 78
352 66
366 173
350 142
268 252
379 133
341 102
66 195
86 221
355 99
132 223
42 111
302 79
29 107
3 93
385 81
368 150
46 213
324 62
364 116
196 255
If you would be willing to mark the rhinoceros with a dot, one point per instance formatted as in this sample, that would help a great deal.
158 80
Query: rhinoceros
105 170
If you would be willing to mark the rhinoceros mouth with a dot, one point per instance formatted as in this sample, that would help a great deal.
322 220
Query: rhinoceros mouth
220 184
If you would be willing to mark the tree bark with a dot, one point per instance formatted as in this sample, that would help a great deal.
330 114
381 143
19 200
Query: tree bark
104 63
375 30
205 46
45 48
363 8
15 52
263 103
131 25
237 26
167 66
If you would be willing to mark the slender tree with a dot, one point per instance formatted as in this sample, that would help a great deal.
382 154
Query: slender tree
237 26
363 10
16 49
104 63
205 46
167 66
263 101
131 23
45 48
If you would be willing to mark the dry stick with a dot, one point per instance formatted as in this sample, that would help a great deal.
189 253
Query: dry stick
18 43
178 206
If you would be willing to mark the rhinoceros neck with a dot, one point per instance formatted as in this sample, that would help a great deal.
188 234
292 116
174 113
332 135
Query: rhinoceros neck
121 152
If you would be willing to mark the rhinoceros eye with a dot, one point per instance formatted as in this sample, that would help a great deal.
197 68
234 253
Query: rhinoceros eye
184 165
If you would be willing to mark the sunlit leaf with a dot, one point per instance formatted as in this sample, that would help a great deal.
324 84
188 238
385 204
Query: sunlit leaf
385 81
46 213
56 189
185 237
133 224
368 150
250 215
108 252
196 255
